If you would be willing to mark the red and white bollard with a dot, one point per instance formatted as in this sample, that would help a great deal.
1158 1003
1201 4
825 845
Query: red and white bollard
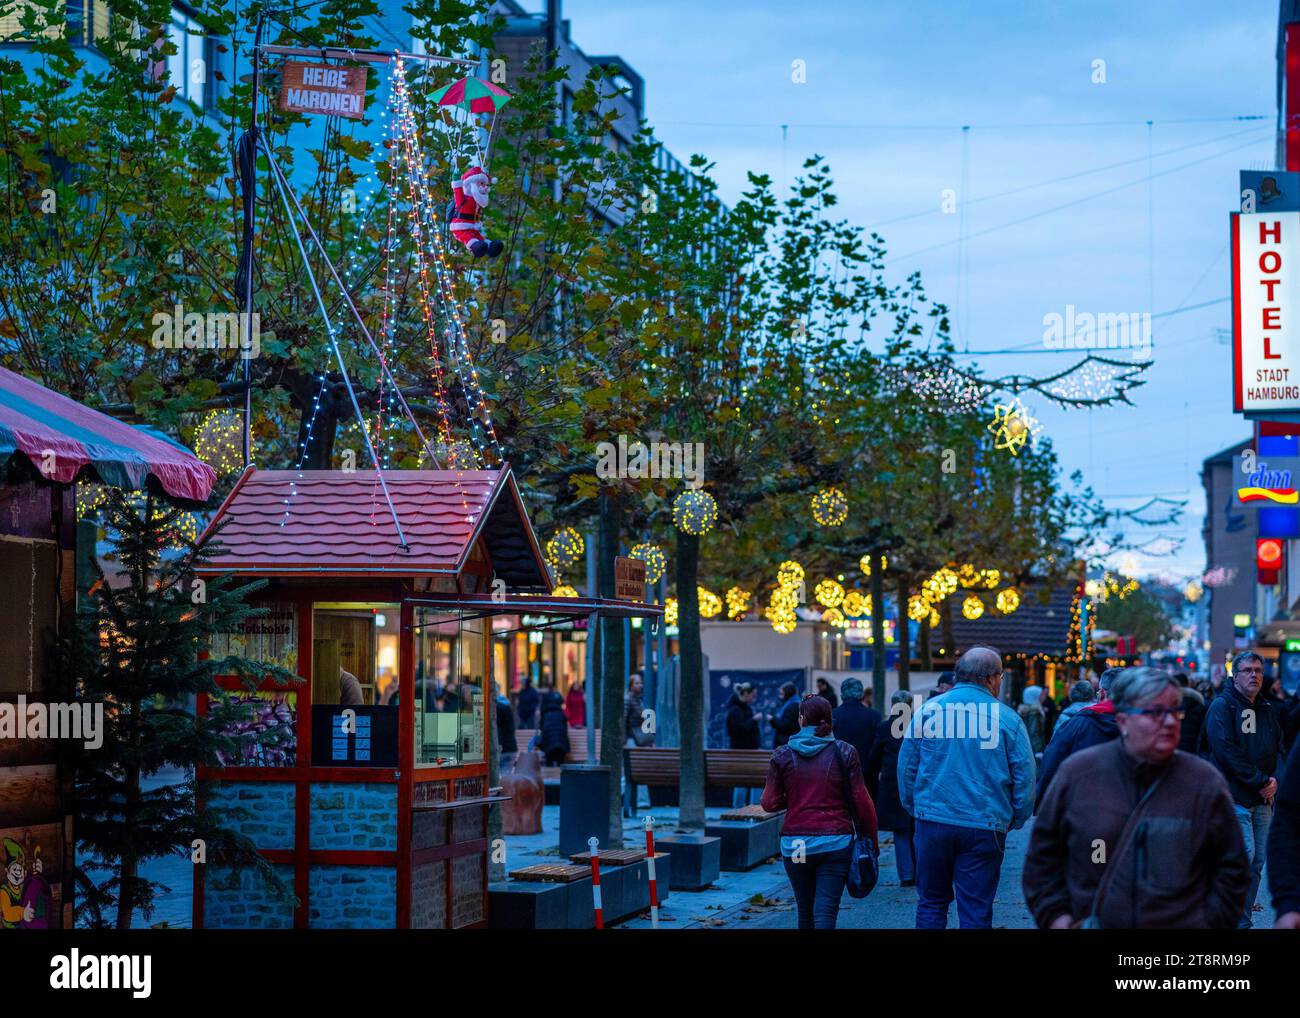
594 845
650 862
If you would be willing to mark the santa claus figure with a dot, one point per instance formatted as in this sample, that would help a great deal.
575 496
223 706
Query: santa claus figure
471 197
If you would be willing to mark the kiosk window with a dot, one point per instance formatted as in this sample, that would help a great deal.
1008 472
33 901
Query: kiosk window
450 661
354 678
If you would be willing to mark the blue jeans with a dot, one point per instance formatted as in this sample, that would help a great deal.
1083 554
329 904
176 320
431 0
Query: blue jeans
818 884
964 860
1255 823
905 855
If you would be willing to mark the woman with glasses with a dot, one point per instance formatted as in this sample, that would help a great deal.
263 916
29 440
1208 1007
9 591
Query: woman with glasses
1135 834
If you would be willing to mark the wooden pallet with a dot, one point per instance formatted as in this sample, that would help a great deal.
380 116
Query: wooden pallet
751 813
612 856
557 872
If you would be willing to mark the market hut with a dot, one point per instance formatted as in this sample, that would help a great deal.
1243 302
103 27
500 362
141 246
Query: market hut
48 444
369 788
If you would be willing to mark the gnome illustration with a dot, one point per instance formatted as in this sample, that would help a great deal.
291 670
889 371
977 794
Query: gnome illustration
471 197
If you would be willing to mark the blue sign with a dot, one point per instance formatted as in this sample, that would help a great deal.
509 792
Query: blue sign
1270 191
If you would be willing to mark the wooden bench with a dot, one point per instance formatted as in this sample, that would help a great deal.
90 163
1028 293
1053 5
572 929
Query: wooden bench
726 768
577 749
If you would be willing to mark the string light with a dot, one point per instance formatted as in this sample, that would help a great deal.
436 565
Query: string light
829 593
219 441
856 604
834 617
737 602
564 590
972 607
789 573
1008 600
670 611
830 507
864 564
565 548
710 603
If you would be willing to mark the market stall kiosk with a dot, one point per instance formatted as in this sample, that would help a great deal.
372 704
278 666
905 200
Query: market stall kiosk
368 786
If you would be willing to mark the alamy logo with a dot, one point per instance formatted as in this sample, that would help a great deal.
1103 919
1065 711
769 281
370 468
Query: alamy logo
637 459
189 330
938 719
75 971
1101 331
82 722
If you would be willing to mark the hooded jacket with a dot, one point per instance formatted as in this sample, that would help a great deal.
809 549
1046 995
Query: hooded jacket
1092 726
1184 866
804 779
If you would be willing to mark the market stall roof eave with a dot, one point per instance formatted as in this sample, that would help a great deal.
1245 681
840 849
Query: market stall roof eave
66 442
338 524
565 607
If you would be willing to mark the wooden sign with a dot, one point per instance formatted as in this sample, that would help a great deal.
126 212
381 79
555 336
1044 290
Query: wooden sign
629 579
320 88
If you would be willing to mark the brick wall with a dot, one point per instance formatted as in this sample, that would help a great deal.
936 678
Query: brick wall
269 804
239 901
353 816
352 897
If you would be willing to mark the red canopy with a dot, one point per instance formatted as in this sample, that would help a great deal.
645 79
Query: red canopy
62 438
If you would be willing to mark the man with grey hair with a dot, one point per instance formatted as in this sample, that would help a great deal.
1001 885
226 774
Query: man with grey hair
1245 739
1082 695
1092 726
1135 833
966 773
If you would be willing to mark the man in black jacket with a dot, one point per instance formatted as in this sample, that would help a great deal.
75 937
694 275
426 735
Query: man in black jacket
785 722
743 731
855 722
1092 726
1284 850
1245 738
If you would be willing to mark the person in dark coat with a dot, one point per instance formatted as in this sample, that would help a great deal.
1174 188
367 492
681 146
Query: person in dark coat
554 734
1193 717
882 784
743 731
527 703
1245 740
944 683
1092 726
1284 849
1050 713
826 693
855 722
507 745
785 722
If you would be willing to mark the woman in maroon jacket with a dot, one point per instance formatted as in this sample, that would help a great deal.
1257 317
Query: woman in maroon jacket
814 778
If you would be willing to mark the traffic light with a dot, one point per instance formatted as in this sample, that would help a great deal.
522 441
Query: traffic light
1268 560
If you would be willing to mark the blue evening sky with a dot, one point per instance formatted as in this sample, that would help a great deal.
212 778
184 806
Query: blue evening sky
889 85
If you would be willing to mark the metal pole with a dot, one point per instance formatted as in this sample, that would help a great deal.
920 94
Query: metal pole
251 217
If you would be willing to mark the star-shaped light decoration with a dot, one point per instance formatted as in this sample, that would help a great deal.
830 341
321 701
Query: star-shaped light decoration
1012 426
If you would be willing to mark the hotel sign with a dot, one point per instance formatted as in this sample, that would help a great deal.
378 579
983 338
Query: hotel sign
1266 313
320 88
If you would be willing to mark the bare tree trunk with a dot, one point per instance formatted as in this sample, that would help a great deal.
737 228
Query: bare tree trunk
691 706
904 641
923 646
612 733
877 632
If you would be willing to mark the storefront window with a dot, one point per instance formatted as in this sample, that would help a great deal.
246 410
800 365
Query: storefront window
450 704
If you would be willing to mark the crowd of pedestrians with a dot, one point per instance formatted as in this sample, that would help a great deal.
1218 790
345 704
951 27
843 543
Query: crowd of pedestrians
1152 801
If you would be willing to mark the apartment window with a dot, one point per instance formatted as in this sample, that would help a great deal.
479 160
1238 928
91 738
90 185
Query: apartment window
190 68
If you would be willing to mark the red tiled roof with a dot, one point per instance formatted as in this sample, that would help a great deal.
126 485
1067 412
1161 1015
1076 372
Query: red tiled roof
336 523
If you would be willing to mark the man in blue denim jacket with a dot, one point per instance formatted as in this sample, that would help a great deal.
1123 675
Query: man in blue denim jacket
966 773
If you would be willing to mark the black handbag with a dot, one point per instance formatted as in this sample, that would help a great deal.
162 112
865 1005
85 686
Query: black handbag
864 864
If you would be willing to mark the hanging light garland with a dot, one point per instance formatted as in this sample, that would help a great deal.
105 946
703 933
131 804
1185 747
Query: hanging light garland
1013 426
656 562
695 511
830 507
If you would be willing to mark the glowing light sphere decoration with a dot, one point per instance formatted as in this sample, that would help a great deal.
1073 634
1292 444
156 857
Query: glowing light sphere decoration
783 620
967 575
564 590
695 511
935 620
737 602
834 617
830 507
789 573
785 598
670 611
829 593
710 603
656 562
947 580
864 564
990 578
972 608
1008 600
565 548
917 608
219 441
856 604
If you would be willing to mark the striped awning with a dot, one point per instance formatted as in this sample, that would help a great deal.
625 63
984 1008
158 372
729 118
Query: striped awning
63 439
